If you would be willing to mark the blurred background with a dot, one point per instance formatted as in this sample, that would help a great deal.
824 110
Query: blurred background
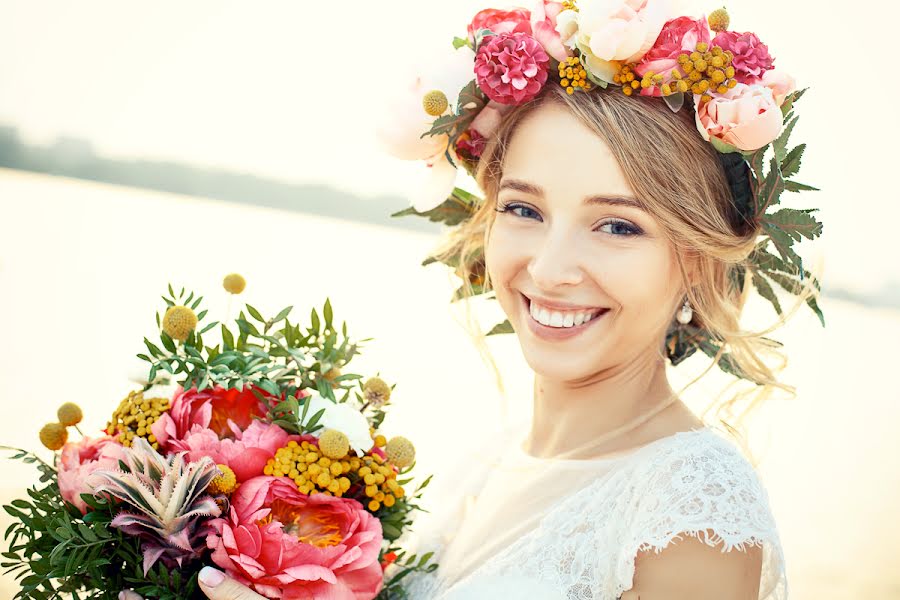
178 142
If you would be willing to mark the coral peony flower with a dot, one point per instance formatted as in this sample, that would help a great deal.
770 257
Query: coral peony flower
511 68
751 56
225 412
780 83
746 117
543 28
285 544
677 36
77 463
517 20
246 454
613 31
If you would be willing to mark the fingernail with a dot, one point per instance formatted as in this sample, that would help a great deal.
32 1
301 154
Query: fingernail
211 577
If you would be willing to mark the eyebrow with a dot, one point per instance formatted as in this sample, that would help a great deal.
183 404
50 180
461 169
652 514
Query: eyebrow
534 190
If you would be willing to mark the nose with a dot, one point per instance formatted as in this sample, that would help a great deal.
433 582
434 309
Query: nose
555 263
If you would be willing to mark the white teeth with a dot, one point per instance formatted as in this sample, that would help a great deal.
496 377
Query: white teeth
554 318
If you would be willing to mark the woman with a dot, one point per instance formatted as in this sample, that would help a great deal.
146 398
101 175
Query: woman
620 229
591 270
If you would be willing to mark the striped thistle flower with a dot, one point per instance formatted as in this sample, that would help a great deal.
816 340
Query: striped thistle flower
165 502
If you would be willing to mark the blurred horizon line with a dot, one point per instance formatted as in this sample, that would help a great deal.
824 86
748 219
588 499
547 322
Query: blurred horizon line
75 157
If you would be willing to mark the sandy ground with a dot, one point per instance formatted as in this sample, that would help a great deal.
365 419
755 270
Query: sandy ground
82 266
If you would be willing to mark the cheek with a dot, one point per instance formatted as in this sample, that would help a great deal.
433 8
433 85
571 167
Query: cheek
637 278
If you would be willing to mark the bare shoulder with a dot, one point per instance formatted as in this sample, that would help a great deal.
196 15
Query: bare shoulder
689 569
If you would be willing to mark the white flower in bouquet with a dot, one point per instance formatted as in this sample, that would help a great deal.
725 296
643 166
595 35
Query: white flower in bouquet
342 417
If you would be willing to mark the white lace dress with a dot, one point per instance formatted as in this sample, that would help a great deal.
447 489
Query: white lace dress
575 534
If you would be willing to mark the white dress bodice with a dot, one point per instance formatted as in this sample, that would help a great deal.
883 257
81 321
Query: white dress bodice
571 529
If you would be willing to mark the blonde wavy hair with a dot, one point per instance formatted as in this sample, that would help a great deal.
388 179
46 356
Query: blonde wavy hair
677 176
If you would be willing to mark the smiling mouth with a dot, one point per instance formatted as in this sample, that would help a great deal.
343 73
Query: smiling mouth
561 319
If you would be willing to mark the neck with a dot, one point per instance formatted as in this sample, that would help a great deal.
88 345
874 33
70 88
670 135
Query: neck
570 416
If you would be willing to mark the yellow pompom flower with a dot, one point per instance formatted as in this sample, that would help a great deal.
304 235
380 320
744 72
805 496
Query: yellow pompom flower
54 436
224 483
69 414
179 322
376 392
234 283
400 451
718 20
435 103
334 444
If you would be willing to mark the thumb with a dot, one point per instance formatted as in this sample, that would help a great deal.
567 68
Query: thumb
218 586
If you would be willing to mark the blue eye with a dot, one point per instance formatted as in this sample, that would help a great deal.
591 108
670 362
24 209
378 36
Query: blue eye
513 207
622 228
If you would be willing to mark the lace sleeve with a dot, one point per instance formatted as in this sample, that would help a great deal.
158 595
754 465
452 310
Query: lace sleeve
709 491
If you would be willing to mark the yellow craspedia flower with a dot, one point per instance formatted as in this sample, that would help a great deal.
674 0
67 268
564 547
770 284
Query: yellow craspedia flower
376 391
718 20
435 103
54 436
179 322
334 444
234 283
224 483
400 451
69 414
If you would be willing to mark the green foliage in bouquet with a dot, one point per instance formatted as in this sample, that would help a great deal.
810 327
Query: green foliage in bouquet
773 261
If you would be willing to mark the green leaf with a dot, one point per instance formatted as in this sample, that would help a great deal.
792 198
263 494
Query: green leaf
328 314
255 314
765 290
796 223
791 163
314 318
780 144
459 42
794 186
227 337
504 327
458 207
167 341
282 314
770 190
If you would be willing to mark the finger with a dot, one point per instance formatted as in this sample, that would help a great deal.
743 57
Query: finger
129 595
218 586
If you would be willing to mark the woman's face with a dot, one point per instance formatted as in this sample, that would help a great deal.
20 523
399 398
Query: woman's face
570 243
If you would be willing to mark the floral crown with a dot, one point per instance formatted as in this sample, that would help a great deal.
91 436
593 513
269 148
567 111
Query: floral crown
741 104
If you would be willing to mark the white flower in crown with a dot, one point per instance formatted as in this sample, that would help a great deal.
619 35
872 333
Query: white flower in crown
405 120
610 32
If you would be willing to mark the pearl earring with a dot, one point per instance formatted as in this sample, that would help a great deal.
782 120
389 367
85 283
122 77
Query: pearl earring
686 313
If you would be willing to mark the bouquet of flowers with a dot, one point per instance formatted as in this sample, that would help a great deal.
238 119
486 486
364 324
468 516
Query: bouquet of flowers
258 455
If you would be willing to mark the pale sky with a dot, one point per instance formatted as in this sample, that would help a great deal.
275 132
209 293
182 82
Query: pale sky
289 89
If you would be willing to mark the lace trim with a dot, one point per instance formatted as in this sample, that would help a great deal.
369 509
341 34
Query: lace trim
697 484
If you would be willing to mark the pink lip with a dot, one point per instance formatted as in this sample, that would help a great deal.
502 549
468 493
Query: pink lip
555 333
